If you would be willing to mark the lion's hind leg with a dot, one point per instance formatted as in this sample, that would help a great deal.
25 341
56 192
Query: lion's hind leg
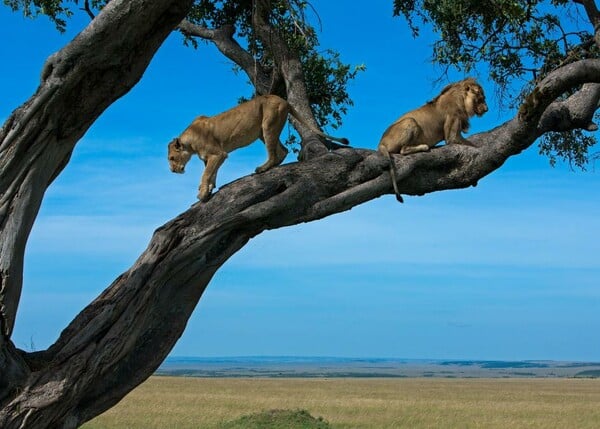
272 124
411 137
407 150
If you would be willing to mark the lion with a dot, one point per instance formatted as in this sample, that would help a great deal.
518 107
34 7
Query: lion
443 118
212 138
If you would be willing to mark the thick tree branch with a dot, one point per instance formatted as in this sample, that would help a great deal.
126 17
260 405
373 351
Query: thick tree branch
575 112
154 299
78 83
37 140
554 85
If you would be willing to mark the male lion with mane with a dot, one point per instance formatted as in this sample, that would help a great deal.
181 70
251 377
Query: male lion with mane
212 138
443 118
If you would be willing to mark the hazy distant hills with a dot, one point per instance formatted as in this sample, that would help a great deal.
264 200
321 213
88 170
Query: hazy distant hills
290 366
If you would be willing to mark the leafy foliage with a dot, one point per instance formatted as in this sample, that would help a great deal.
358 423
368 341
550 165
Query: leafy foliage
57 10
54 9
514 37
326 76
572 147
516 40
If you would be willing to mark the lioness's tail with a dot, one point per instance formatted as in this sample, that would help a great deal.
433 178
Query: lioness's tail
385 152
315 130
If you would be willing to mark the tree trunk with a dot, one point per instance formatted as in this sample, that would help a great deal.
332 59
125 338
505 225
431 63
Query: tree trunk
100 65
123 335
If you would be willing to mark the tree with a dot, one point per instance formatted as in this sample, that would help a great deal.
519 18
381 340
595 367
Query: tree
93 365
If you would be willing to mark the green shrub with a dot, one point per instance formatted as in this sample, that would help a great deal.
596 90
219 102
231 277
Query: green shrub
278 419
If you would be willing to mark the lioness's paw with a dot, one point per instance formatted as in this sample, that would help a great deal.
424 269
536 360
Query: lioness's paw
203 196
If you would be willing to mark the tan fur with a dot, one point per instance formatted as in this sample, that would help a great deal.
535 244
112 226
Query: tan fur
443 118
212 138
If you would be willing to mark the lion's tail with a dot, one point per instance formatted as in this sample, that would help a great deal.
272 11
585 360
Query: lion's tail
392 173
315 130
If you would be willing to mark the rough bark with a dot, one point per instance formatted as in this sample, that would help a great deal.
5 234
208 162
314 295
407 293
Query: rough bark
154 299
122 336
36 142
290 67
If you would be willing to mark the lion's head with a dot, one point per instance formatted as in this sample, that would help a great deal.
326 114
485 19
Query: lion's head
474 98
178 156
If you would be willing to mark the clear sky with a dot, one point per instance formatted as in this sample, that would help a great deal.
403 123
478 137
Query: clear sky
507 270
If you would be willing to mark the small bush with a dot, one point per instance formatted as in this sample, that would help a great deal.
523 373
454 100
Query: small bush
278 419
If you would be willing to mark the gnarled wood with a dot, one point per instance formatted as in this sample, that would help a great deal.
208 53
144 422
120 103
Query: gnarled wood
122 336
154 299
100 65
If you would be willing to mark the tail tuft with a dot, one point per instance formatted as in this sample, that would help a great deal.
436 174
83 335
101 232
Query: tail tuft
345 141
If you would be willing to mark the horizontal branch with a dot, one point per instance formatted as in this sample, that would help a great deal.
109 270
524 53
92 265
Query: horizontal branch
153 300
577 111
558 82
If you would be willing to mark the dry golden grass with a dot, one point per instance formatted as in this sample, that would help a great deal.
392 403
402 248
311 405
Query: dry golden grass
178 403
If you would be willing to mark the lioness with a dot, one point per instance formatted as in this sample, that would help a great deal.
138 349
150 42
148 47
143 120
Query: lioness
443 118
213 137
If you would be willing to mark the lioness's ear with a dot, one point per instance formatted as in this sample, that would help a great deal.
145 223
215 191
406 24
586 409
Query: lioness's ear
177 143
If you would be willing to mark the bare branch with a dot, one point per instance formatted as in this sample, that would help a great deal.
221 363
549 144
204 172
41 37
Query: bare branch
593 15
291 69
297 20
86 7
263 80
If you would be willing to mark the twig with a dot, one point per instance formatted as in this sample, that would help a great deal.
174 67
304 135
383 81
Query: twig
86 7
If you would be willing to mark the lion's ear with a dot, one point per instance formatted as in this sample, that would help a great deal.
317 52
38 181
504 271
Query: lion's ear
177 143
473 86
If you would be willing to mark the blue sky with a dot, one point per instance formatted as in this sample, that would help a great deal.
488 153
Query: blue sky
507 270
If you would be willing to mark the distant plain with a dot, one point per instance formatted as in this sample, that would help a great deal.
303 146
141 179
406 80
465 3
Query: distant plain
193 402
298 366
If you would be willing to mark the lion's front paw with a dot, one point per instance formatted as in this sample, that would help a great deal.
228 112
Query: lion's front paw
204 196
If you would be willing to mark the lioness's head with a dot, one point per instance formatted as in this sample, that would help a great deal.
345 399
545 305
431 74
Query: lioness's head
178 156
474 98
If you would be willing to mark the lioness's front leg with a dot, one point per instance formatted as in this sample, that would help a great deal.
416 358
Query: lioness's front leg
209 177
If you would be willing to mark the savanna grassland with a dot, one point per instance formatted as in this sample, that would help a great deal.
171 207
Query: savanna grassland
185 402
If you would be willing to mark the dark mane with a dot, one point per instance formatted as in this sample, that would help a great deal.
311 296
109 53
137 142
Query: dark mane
451 86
